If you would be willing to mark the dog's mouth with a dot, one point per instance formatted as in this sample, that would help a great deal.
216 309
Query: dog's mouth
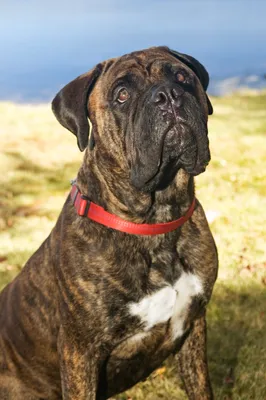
193 162
171 156
145 177
160 159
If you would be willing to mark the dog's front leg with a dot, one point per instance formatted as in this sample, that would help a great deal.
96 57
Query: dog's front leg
193 364
79 368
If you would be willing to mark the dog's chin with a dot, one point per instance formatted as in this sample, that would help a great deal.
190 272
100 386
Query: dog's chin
161 180
166 174
197 170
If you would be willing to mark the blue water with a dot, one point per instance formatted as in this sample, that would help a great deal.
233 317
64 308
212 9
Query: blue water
47 43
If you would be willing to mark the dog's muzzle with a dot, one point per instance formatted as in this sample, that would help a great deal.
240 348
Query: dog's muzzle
168 97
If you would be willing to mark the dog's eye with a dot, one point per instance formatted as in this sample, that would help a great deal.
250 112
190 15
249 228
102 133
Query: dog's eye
180 76
122 95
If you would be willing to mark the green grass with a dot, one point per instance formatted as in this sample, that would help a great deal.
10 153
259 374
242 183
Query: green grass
37 160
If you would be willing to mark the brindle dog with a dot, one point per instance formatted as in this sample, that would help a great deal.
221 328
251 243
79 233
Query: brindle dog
96 310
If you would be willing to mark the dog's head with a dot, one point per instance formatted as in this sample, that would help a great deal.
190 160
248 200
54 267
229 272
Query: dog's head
148 108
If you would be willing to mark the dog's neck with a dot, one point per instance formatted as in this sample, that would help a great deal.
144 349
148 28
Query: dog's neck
115 194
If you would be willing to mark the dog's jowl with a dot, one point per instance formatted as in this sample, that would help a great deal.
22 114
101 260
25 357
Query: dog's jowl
124 278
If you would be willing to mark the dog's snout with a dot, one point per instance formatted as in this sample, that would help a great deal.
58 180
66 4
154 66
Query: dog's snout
177 92
160 98
164 96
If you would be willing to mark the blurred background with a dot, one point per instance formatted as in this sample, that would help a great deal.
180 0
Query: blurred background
47 43
44 45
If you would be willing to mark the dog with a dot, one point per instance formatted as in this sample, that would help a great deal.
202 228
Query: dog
125 276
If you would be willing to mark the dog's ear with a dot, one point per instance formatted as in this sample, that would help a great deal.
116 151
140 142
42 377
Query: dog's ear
210 107
198 69
70 106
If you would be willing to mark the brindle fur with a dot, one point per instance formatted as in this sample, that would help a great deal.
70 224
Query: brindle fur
65 330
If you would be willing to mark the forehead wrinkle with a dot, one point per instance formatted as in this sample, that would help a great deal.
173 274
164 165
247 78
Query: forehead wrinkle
141 61
127 64
129 74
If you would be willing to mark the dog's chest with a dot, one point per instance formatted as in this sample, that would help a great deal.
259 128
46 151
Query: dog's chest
170 303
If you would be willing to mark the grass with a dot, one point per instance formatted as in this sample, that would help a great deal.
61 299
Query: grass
38 159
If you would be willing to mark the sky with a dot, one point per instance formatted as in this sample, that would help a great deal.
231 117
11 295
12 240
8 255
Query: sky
48 43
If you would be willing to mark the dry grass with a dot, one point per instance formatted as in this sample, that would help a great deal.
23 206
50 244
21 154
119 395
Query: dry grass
38 159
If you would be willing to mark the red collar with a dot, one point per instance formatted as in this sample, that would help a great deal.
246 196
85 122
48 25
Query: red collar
87 208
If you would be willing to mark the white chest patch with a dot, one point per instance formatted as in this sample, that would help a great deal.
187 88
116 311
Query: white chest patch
168 303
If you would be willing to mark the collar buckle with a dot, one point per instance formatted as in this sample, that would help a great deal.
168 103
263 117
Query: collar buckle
85 209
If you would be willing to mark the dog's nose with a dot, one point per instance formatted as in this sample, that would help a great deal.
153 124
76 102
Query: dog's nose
164 96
